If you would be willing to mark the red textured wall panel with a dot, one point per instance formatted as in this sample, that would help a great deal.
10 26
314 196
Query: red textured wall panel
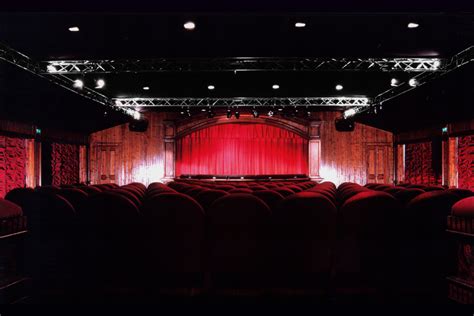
12 164
242 149
418 164
65 163
466 162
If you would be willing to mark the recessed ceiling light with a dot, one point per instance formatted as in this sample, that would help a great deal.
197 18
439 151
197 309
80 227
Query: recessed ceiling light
211 87
146 88
74 29
339 87
99 84
78 83
189 25
300 24
413 25
275 87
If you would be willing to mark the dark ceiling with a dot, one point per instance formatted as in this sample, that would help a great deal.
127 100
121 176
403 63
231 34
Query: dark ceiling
45 36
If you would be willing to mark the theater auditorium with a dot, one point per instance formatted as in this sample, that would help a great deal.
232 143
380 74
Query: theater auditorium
206 156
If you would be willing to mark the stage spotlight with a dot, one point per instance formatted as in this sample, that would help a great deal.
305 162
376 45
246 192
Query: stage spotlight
237 114
211 87
146 88
275 87
188 113
255 113
99 84
413 25
74 29
51 68
189 25
339 87
270 113
308 114
300 24
413 82
78 83
394 82
229 114
349 113
203 110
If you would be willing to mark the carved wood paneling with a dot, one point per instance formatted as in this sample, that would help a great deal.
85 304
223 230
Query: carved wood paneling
418 164
12 164
65 163
466 162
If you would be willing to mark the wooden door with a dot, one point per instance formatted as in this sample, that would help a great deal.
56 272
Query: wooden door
378 164
107 163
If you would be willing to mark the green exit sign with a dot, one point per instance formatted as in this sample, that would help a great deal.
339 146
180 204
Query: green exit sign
444 129
38 131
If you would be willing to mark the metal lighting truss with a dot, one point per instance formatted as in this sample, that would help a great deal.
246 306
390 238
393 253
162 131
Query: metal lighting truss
20 60
236 102
243 64
458 60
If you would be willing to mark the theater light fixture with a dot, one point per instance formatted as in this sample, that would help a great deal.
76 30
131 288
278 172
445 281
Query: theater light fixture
146 88
99 84
237 114
229 113
413 25
300 24
210 113
51 68
74 29
413 82
275 87
270 113
339 87
189 25
394 82
211 87
78 83
349 112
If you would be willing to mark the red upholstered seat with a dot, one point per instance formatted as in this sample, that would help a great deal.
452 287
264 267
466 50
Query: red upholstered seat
366 251
112 240
270 197
9 209
129 195
238 230
19 195
428 250
405 196
195 191
224 187
462 193
294 188
241 190
433 188
417 186
393 190
206 198
464 207
175 230
74 196
304 231
89 189
284 191
48 189
139 185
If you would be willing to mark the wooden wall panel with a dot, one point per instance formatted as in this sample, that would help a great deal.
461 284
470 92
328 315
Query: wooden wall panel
140 155
64 164
344 154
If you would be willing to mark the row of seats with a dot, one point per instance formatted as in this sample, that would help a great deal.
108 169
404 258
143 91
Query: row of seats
349 239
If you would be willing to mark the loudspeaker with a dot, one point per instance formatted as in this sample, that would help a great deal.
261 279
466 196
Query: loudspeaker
344 125
138 126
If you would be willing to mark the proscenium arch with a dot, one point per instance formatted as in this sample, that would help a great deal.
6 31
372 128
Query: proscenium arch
188 127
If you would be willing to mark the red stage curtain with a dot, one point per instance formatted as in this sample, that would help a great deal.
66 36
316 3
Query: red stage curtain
242 149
